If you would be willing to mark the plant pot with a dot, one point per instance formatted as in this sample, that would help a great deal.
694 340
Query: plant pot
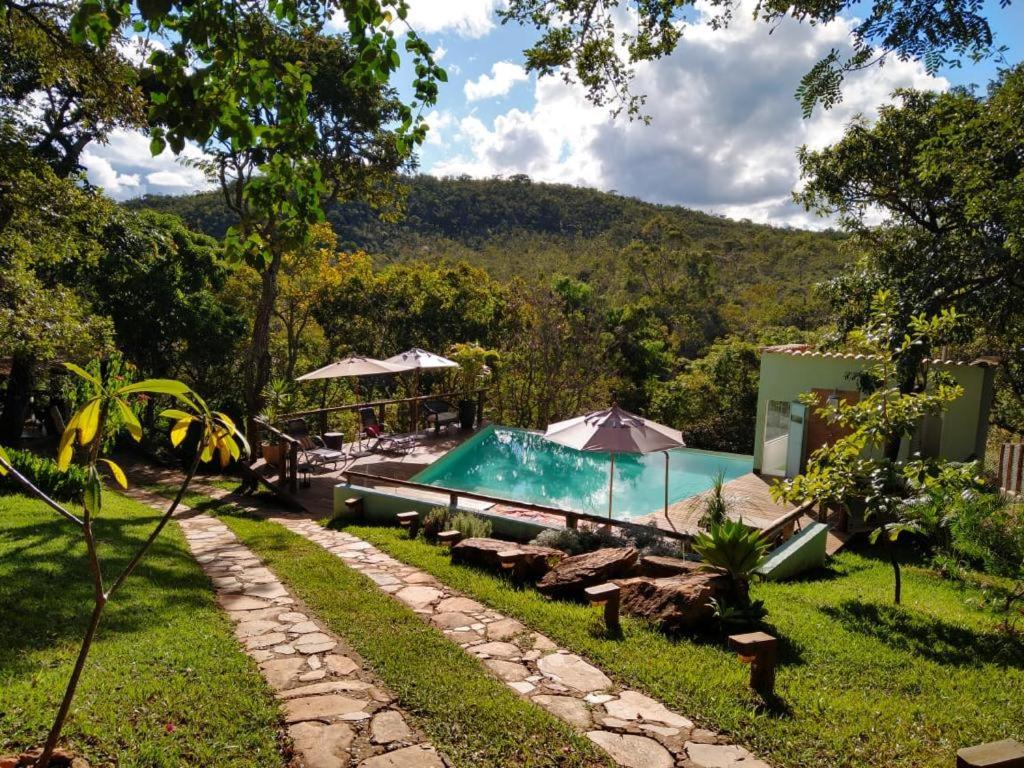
272 453
467 413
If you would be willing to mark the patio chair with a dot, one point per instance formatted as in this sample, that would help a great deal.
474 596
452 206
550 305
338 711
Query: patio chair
372 430
440 413
312 449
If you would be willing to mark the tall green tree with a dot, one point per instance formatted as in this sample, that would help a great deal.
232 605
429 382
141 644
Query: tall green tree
945 170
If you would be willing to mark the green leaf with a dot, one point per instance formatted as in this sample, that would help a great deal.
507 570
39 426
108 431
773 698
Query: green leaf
174 413
93 497
156 387
79 371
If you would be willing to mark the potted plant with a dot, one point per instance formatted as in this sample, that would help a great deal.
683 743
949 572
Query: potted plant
475 364
279 398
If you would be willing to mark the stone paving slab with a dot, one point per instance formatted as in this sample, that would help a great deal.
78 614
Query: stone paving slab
634 729
339 715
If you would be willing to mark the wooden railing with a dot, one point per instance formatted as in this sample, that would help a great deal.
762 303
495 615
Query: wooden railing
381 406
778 528
288 477
572 518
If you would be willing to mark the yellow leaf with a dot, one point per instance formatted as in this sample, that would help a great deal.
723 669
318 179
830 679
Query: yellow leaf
117 472
130 420
67 447
179 430
3 455
225 454
88 421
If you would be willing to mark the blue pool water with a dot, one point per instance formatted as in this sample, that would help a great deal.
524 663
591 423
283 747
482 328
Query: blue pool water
519 465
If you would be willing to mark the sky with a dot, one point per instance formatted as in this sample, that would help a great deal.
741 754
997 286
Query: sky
724 127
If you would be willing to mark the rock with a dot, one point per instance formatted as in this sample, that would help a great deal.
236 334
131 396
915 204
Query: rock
340 665
509 671
389 726
418 596
451 620
280 672
722 756
483 553
409 757
504 629
566 708
322 746
675 603
569 669
657 566
459 605
571 576
501 650
635 706
320 707
633 751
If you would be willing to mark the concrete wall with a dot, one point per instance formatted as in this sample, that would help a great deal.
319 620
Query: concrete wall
964 426
382 507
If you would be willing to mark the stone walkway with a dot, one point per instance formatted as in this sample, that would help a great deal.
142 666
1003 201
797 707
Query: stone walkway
636 730
337 712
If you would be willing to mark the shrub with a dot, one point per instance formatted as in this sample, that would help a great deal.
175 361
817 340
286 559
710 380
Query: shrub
716 505
576 541
471 526
46 476
734 548
438 519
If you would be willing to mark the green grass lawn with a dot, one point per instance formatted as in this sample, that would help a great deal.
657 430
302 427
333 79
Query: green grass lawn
862 683
467 713
164 654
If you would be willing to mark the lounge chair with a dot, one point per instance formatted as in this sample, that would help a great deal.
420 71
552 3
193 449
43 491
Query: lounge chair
372 430
312 449
440 413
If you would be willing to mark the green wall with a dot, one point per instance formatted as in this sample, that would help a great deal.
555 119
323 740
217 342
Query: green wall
965 426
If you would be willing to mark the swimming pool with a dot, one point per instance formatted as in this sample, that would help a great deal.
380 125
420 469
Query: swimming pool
520 465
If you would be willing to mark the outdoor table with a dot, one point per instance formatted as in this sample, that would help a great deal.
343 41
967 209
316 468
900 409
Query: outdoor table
334 440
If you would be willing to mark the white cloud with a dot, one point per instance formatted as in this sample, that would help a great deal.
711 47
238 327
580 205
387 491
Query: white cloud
504 75
124 168
438 120
439 53
725 123
466 18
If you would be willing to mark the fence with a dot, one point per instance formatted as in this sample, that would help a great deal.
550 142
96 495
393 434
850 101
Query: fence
1010 472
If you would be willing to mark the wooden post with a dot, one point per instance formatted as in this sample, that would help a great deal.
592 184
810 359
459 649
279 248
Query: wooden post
607 595
572 522
453 500
380 413
479 408
449 538
410 521
998 754
355 507
293 467
760 651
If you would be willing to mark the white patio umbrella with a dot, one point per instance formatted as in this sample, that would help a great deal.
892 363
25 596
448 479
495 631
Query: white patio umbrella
614 430
419 359
354 366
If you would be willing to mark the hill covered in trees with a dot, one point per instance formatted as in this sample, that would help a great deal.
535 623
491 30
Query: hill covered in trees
518 228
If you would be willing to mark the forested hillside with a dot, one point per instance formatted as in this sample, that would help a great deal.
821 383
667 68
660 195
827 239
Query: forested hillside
516 227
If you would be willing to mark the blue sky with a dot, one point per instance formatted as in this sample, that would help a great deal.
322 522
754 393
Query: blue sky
725 124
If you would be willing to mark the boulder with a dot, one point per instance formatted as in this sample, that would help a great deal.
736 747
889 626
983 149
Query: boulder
571 576
483 553
674 603
658 566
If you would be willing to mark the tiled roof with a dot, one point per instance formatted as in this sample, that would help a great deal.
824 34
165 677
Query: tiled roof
809 350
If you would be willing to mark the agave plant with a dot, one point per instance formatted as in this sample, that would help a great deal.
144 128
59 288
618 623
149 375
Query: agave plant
734 548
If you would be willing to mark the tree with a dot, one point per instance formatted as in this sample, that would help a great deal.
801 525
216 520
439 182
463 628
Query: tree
945 171
584 40
108 409
714 401
864 466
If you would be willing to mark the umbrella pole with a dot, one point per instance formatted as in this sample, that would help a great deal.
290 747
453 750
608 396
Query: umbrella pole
611 484
666 485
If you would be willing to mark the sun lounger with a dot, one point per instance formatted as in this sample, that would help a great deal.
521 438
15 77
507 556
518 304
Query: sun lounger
440 413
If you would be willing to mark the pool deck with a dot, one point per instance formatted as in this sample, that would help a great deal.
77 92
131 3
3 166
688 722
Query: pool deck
748 494
747 499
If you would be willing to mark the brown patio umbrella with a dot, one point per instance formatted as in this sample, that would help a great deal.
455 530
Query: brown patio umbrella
614 430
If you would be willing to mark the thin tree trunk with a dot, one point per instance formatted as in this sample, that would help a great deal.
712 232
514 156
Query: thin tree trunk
69 692
17 399
257 370
897 584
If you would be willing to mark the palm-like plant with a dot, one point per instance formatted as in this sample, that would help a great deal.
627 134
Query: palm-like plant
734 548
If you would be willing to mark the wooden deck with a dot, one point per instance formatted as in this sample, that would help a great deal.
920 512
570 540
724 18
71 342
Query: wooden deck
748 500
